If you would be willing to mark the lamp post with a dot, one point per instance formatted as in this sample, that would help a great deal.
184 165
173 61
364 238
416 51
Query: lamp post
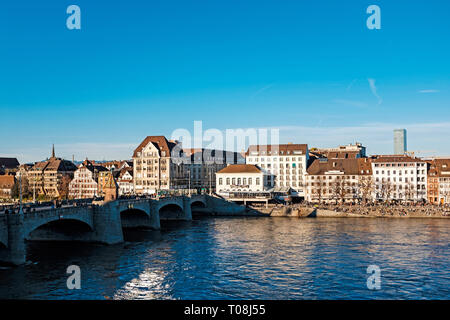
189 182
20 195
34 190
209 174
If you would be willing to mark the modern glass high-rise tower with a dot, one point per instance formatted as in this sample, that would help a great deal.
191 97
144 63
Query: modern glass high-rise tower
400 141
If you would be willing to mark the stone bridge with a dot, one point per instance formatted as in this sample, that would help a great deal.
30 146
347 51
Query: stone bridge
93 223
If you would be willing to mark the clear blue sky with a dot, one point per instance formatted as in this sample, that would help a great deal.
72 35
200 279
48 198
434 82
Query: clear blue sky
139 68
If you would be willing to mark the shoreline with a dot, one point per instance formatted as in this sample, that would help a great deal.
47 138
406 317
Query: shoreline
309 212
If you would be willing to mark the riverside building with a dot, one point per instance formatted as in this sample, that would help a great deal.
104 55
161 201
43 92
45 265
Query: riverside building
241 178
399 178
47 177
339 180
158 165
84 184
284 165
439 181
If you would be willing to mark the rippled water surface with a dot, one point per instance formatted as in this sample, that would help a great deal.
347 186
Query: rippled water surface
247 258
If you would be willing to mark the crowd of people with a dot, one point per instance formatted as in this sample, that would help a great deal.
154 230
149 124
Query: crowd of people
381 209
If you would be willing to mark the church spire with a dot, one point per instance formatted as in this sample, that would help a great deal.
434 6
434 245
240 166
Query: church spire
53 151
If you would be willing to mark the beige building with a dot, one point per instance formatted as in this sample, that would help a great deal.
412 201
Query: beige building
339 180
6 185
50 177
158 165
439 181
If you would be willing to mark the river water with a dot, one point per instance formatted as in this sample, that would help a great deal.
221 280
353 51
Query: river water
247 258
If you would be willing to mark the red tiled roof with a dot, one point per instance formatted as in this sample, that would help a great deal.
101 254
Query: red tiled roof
240 168
439 167
160 143
6 181
347 166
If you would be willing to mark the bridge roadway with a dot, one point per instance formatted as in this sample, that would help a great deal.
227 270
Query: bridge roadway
95 223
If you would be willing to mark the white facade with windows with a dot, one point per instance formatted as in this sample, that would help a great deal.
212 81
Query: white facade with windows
399 178
125 182
240 178
283 165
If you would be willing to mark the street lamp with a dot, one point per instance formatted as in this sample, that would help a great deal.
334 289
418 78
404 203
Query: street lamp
20 195
189 182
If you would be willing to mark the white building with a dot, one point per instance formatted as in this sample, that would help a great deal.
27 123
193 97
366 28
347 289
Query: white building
400 178
125 182
284 165
242 178
84 184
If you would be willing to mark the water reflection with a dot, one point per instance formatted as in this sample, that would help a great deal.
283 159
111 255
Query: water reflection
247 258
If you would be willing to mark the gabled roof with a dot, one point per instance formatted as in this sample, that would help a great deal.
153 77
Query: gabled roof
9 163
54 164
57 164
365 166
160 142
6 181
241 168
124 171
323 165
439 167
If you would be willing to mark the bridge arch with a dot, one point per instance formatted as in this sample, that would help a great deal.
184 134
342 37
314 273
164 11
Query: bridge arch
134 217
63 229
198 204
171 211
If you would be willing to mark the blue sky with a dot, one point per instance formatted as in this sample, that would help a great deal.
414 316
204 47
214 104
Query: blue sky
138 68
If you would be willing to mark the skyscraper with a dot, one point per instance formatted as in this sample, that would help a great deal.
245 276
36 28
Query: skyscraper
400 141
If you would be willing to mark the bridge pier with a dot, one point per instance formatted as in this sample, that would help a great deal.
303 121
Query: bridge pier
187 208
14 253
107 224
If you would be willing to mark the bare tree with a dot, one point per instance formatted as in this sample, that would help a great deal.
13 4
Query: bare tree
63 186
386 190
339 189
365 188
318 191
